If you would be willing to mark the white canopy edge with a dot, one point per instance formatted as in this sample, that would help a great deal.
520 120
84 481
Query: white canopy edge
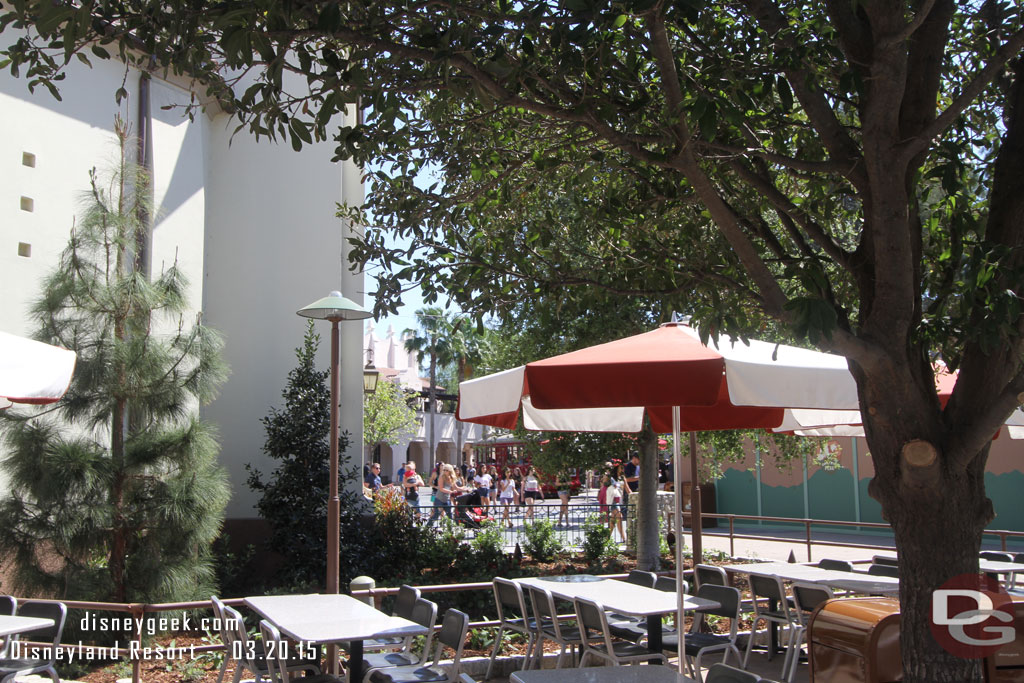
776 375
849 423
582 419
492 394
31 370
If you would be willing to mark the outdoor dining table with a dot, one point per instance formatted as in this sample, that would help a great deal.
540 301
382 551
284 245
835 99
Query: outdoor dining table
621 597
331 619
857 582
14 625
601 674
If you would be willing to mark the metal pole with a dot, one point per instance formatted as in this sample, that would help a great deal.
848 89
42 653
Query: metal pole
757 474
433 398
696 524
677 466
334 502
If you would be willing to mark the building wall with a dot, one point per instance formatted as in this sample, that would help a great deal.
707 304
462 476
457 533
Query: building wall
252 225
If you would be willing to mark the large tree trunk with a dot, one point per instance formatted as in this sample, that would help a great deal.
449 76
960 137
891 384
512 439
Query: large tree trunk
648 556
937 509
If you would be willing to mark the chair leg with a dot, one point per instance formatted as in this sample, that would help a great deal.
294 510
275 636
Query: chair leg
561 656
536 657
795 661
238 672
750 642
494 650
583 659
52 673
223 669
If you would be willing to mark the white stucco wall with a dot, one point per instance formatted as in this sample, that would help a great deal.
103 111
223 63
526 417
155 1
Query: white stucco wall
252 225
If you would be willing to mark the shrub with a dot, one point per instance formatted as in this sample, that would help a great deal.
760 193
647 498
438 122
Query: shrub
540 541
488 543
597 541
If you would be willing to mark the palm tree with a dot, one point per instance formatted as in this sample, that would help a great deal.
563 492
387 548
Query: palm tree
448 339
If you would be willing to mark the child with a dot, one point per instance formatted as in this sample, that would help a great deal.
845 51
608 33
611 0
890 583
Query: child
508 496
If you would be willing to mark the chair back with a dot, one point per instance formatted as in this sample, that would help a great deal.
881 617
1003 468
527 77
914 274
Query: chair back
767 587
723 673
57 611
424 613
836 565
544 610
509 600
227 634
234 624
277 660
884 570
726 596
8 605
995 556
1018 558
708 573
406 600
592 622
807 597
668 584
642 578
885 559
452 634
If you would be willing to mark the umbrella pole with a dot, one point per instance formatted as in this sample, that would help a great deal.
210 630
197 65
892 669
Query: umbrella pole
696 523
677 466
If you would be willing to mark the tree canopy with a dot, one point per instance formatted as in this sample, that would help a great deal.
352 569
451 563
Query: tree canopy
850 169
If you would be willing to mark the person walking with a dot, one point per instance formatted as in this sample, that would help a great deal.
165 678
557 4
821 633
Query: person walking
483 487
507 496
531 492
447 487
564 484
411 484
615 504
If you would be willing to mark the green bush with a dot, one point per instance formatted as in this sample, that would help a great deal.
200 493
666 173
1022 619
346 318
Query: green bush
597 541
488 543
540 541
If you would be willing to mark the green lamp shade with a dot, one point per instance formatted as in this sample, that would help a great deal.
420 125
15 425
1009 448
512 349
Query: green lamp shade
335 307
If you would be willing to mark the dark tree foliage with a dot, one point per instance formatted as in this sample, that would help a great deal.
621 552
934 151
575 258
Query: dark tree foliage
294 498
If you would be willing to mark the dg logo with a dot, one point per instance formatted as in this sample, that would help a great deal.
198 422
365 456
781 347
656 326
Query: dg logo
972 616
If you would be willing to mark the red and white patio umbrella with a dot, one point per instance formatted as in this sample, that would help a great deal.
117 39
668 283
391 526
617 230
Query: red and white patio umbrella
672 377
33 372
804 422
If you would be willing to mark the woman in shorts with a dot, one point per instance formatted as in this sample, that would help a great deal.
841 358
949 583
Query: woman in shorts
531 491
564 493
507 496
492 493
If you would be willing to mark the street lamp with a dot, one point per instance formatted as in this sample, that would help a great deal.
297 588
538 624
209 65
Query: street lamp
335 308
370 373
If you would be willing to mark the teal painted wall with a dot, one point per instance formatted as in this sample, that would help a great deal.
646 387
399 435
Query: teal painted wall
1005 492
736 492
830 496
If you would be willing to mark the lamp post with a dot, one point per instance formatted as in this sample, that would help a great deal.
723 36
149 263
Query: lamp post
335 308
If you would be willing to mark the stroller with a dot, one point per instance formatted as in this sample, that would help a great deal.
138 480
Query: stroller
468 511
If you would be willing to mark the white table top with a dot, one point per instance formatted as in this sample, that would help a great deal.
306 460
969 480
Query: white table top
999 567
319 618
602 674
853 581
620 596
11 625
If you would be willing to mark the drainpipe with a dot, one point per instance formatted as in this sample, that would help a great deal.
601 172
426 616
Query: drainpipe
856 481
757 471
144 157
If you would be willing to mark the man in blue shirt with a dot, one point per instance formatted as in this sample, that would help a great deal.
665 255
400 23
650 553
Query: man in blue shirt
372 478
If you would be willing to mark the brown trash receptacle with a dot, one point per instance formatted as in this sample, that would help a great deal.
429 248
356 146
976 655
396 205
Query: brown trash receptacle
856 640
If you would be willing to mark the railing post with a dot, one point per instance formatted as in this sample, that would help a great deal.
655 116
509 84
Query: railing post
138 613
807 526
732 539
1002 540
364 583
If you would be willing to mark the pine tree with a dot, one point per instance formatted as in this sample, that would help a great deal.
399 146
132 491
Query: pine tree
116 493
